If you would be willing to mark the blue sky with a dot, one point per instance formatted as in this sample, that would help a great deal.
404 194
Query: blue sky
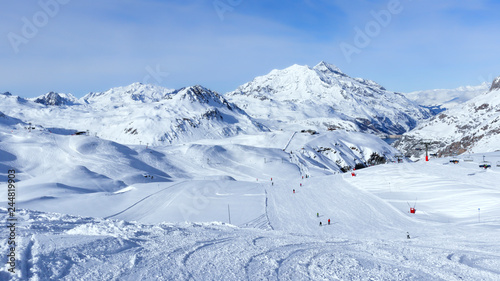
78 47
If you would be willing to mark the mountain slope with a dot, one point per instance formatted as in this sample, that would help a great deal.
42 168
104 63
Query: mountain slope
366 240
495 85
137 114
322 97
134 93
56 99
473 126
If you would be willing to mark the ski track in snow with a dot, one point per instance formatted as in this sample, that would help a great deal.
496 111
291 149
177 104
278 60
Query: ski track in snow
141 200
211 251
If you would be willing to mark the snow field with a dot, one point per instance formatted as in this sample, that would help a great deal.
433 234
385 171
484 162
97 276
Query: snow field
91 209
442 191
66 247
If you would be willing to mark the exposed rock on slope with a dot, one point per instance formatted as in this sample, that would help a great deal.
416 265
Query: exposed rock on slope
138 114
323 97
473 127
56 99
496 84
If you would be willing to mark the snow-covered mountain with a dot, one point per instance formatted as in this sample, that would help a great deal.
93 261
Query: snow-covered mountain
473 126
53 98
495 85
323 97
438 100
131 94
137 114
224 198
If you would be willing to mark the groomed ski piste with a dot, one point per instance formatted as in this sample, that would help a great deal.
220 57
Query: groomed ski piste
226 210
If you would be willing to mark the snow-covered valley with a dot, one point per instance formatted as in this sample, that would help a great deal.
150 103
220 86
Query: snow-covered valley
92 209
285 178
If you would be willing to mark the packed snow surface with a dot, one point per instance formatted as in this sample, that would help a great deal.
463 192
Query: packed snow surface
242 208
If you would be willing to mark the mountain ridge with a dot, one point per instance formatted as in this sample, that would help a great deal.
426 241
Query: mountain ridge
438 100
473 126
138 113
323 97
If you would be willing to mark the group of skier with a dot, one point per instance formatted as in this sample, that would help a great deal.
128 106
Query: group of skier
293 190
320 223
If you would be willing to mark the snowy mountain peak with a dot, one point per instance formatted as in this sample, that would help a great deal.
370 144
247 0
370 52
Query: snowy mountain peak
327 67
133 93
323 97
496 84
201 95
56 99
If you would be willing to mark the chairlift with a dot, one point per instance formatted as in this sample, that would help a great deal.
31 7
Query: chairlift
485 165
412 209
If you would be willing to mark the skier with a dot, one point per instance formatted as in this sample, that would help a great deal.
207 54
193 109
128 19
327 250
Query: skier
301 185
407 235
272 183
317 214
294 191
320 224
328 221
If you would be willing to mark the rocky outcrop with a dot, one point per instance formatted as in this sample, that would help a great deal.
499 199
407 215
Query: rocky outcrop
496 84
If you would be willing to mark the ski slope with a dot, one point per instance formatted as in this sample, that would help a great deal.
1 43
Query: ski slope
91 209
